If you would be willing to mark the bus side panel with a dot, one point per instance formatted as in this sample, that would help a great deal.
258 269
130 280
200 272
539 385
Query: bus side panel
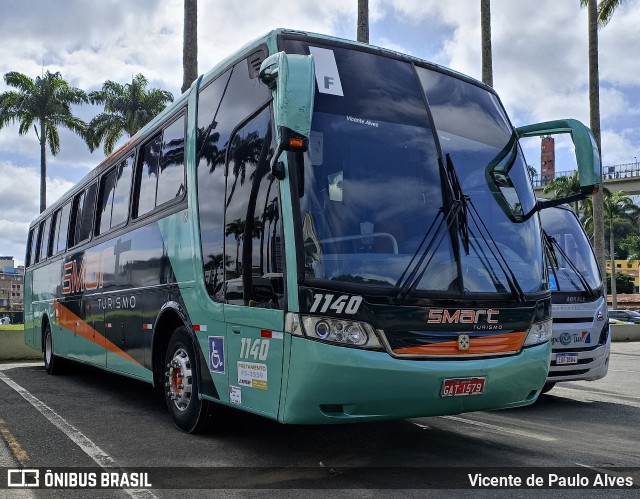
206 316
137 282
29 328
112 295
40 284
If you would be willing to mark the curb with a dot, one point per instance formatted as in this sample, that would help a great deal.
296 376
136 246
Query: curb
12 346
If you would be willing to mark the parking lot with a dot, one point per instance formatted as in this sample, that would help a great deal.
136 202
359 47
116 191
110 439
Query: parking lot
88 418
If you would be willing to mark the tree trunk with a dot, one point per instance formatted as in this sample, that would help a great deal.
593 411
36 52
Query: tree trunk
485 26
614 297
363 21
190 44
43 167
594 108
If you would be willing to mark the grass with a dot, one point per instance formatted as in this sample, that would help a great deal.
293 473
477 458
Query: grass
12 327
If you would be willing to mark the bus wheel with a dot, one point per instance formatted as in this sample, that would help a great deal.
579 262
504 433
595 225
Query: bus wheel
52 363
547 387
190 413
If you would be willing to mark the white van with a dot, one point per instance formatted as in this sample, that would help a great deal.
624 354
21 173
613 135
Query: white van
581 338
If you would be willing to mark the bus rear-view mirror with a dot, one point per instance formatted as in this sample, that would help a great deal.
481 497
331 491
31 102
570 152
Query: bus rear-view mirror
586 150
291 78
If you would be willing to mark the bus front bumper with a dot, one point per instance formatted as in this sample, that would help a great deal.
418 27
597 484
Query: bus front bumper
590 364
332 384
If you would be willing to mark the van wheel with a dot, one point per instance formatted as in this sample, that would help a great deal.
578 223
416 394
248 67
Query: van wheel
547 387
190 413
52 363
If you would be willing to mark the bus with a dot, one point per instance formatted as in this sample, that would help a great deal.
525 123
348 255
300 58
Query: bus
581 341
317 231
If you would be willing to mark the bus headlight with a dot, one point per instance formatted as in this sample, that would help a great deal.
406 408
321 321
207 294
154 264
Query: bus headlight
341 332
538 333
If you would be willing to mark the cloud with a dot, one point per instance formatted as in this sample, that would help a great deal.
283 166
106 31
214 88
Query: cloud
20 201
539 57
540 61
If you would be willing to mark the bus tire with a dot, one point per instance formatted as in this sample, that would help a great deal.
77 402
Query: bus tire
52 363
547 387
190 413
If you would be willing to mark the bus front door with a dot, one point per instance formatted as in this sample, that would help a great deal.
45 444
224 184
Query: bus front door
255 349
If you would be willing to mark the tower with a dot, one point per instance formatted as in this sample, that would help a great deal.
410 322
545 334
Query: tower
547 160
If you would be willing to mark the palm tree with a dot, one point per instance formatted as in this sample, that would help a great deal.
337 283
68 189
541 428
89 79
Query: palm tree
236 228
44 103
565 186
127 108
631 244
190 44
617 207
603 12
606 8
216 266
363 21
485 27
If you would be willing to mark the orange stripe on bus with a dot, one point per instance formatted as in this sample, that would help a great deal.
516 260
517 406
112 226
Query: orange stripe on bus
499 343
68 320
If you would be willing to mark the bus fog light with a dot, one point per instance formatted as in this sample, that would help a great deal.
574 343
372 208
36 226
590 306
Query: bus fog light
539 332
341 332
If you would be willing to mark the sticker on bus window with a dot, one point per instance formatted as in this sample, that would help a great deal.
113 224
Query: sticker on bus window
327 75
216 354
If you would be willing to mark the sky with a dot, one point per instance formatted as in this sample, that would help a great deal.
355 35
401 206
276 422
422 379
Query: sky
540 66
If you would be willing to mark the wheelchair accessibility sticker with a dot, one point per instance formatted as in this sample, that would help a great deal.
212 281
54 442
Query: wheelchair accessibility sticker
216 354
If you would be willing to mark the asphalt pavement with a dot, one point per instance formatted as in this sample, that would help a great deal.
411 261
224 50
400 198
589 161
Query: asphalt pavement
94 421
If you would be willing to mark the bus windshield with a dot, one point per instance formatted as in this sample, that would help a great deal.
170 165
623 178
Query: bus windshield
374 185
572 252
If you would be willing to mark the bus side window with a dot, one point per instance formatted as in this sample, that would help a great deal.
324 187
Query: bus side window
223 105
160 175
115 190
210 151
171 182
147 176
252 230
35 250
61 234
122 194
46 240
32 246
105 206
84 204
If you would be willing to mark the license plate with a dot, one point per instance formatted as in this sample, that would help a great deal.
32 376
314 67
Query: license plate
566 358
460 387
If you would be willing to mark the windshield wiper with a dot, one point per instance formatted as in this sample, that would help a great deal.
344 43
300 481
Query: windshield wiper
415 275
552 246
509 274
460 209
463 229
454 210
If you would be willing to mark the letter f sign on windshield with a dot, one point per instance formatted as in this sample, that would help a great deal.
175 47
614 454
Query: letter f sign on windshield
327 75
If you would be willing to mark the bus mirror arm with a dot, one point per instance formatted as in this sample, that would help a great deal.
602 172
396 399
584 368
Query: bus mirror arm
550 203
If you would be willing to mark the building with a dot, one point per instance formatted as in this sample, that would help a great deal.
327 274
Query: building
629 267
11 285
